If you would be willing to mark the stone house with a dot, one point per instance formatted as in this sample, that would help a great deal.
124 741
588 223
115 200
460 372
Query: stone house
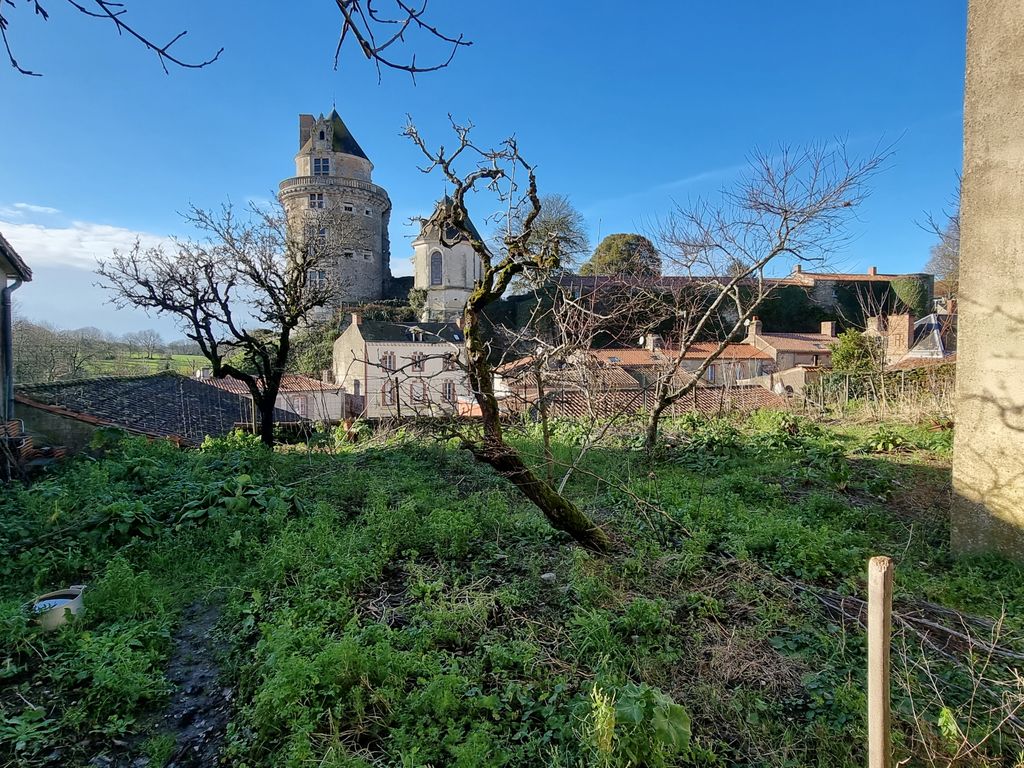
789 350
13 272
309 399
401 370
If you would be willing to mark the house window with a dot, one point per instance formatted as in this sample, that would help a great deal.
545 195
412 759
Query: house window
418 391
435 268
418 360
387 361
357 387
316 200
321 166
348 208
448 391
301 407
387 392
451 362
710 373
316 278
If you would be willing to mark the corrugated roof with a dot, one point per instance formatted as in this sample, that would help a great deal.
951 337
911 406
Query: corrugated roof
164 404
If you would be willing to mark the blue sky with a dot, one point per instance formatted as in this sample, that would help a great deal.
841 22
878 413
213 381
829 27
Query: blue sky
623 113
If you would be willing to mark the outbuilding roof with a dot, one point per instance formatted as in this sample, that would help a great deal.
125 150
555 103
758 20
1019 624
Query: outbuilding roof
164 404
290 382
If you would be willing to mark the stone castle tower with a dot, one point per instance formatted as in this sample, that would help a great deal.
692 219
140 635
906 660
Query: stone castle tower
332 183
446 271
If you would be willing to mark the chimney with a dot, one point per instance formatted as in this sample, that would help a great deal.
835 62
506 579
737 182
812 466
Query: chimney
797 269
204 373
652 342
754 329
900 336
872 271
872 325
828 328
355 318
305 128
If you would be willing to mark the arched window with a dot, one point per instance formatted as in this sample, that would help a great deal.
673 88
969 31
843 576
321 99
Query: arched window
435 268
322 137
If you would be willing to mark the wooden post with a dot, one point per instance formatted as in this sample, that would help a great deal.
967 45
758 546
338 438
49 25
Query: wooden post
879 631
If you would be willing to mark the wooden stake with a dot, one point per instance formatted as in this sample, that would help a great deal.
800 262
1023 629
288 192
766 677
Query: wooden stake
879 632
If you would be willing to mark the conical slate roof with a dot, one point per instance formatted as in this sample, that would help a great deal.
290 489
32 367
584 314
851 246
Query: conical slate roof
344 141
432 227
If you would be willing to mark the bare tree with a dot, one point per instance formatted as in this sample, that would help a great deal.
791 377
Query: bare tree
944 261
379 33
150 342
471 168
791 206
251 270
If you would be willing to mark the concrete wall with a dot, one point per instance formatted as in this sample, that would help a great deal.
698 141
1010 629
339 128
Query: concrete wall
988 457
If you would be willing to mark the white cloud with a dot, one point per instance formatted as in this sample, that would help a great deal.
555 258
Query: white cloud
36 208
81 244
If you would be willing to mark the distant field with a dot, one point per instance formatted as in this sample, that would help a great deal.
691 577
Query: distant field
186 364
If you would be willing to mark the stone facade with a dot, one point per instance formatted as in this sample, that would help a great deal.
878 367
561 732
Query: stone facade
988 461
332 191
445 269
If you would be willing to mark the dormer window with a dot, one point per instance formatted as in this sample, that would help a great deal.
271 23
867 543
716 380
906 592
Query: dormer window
321 166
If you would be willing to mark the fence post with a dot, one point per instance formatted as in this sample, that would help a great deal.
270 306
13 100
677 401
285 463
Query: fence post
879 631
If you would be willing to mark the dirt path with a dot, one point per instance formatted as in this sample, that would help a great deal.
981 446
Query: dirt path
200 706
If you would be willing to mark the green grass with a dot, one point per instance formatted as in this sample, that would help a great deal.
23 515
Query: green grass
386 606
139 364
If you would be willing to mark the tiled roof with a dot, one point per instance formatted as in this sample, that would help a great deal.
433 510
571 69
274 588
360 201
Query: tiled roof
342 138
164 404
815 343
290 382
809 278
432 333
702 349
18 265
630 356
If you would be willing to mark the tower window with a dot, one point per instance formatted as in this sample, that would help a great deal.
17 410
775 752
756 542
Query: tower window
349 254
321 166
435 268
322 137
348 208
368 212
316 200
316 278
366 255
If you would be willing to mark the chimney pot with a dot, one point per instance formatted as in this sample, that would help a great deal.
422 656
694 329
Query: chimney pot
872 271
797 269
828 328
355 318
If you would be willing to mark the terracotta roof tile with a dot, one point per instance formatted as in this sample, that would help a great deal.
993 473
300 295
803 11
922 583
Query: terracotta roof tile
290 382
815 343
